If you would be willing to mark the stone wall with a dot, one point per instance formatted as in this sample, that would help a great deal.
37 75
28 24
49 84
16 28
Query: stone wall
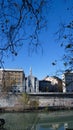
8 100
58 102
13 101
54 99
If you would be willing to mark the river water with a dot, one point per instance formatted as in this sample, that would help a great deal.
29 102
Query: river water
38 121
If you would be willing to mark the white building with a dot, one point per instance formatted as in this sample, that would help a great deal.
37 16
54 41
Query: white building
31 84
1 78
67 80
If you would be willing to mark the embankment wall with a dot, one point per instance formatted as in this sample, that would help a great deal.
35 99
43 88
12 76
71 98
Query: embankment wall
48 99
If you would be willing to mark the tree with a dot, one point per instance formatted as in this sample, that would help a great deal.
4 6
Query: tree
25 100
28 102
34 104
65 37
20 22
67 43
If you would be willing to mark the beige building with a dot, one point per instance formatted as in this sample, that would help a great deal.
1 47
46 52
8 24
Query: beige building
11 79
55 81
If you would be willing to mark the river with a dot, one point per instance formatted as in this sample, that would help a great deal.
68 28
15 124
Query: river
38 121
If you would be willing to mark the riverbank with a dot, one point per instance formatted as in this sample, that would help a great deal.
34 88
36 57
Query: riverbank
38 110
39 102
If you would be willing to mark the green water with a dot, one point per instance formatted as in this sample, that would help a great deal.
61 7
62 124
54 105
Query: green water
38 121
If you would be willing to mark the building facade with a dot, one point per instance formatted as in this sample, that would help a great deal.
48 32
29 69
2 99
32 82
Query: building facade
1 79
44 86
55 83
11 79
31 84
67 81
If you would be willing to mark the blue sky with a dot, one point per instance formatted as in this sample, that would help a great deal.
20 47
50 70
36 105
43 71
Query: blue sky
41 62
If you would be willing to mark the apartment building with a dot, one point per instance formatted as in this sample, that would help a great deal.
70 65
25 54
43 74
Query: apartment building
1 78
11 79
67 79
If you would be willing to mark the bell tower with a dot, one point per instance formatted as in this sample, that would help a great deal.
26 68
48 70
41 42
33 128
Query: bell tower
30 71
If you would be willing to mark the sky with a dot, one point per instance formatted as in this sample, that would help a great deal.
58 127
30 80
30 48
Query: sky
41 63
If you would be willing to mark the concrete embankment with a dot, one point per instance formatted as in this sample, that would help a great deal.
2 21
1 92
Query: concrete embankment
48 100
54 100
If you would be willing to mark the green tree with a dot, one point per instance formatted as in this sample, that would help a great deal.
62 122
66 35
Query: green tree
28 102
25 100
34 104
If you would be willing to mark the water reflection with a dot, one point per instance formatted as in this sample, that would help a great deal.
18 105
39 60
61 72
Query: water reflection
38 121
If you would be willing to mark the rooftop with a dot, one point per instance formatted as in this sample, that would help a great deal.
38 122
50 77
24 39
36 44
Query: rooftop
11 69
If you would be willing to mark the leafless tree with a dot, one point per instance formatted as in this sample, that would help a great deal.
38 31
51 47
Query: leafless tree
20 22
65 37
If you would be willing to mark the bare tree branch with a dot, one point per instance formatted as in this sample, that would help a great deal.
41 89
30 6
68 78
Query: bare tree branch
20 18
